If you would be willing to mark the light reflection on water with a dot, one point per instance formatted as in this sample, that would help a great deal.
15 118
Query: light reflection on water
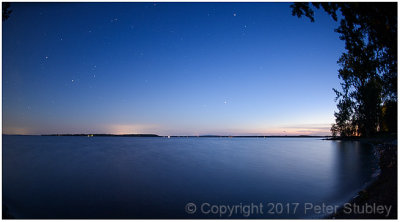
114 177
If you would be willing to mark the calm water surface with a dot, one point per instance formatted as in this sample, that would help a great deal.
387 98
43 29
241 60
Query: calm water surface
115 177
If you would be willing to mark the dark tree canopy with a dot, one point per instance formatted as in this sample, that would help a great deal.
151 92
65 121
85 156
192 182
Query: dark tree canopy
6 10
367 102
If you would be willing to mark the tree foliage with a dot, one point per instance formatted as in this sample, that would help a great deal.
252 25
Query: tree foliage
368 67
6 10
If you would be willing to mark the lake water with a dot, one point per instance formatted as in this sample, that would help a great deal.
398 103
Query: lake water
116 177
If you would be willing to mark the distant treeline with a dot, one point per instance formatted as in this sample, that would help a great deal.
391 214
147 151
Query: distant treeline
250 136
118 135
155 135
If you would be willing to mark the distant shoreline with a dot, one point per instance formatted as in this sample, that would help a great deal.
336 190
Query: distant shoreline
155 135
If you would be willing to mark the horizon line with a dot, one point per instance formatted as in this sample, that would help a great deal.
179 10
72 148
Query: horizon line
156 135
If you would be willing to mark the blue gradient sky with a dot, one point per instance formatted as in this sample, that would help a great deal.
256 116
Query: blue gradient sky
168 68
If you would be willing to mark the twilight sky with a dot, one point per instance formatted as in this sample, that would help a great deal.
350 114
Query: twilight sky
168 68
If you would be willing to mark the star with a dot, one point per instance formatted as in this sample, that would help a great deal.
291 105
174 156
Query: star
234 14
225 102
72 80
47 57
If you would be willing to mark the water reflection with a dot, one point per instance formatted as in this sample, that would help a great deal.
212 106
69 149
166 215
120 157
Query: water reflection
355 166
76 177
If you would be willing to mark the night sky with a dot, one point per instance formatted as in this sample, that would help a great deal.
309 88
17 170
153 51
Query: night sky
168 69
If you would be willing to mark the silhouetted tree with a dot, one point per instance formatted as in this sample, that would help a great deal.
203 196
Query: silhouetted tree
389 113
6 10
368 67
344 125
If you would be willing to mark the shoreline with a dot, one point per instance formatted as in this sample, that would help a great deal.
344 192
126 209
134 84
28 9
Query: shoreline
174 136
381 190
